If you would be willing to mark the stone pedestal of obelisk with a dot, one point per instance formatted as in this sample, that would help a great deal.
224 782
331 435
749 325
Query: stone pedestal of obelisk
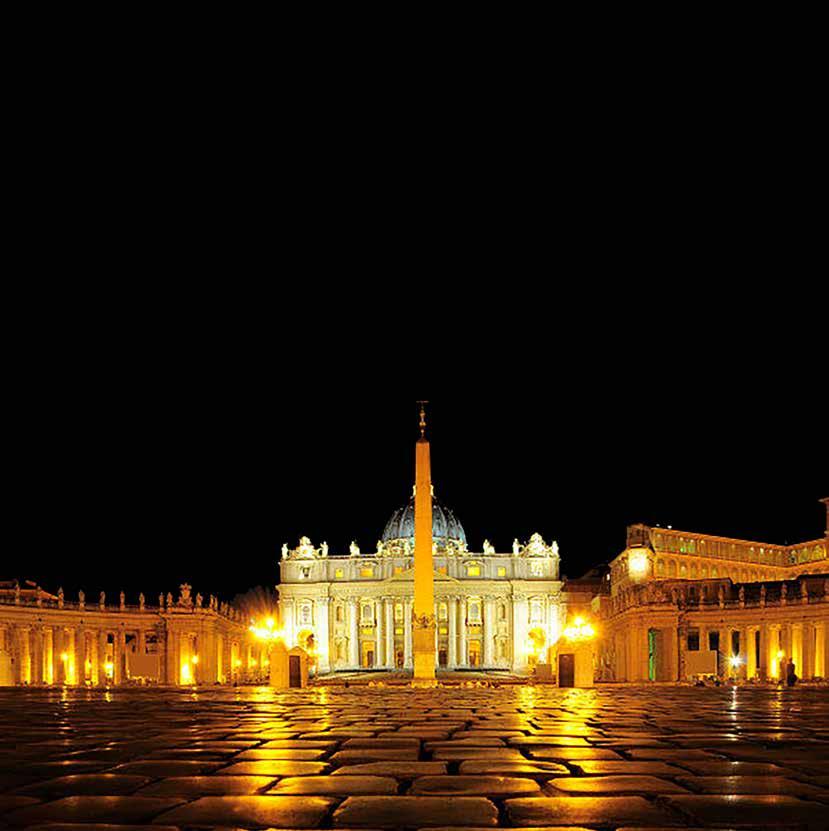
423 623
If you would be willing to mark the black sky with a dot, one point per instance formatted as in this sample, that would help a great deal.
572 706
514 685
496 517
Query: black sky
145 468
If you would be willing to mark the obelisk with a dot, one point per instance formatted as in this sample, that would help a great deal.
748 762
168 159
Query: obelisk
423 622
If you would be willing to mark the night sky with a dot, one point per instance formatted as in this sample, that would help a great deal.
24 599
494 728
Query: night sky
143 474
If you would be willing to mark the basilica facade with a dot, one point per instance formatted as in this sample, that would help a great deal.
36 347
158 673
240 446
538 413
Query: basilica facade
493 610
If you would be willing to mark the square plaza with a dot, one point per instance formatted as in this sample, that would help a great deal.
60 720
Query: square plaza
469 754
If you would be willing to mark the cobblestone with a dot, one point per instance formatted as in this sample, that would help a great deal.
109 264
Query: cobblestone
379 758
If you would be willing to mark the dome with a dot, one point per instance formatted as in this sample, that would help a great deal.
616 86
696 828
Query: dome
446 528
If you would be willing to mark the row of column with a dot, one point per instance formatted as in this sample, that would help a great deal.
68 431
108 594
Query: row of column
64 655
385 636
764 649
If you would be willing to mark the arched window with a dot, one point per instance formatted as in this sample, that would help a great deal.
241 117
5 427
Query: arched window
398 611
305 614
473 613
367 614
338 614
473 569
536 611
502 611
443 611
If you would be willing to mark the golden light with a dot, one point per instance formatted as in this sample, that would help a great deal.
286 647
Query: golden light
736 661
267 632
580 630
638 562
64 656
781 654
185 673
237 663
109 668
195 659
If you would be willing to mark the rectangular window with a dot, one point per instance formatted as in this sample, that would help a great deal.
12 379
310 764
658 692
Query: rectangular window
398 569
713 641
693 641
442 570
473 571
502 572
339 574
537 569
735 643
367 571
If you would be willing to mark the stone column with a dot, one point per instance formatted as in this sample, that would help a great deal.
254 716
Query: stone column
452 652
807 669
172 659
820 650
407 630
519 632
58 664
682 649
37 655
796 648
24 663
488 609
79 657
463 657
121 663
750 652
771 650
101 667
390 651
378 633
353 634
323 634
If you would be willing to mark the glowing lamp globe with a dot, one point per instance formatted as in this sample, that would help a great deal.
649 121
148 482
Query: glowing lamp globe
638 563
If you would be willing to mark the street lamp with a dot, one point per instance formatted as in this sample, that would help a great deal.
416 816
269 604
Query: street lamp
580 630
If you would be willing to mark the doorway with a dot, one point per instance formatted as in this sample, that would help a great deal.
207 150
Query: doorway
368 654
474 653
567 670
294 671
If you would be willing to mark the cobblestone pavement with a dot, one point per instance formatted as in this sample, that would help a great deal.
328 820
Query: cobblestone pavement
360 757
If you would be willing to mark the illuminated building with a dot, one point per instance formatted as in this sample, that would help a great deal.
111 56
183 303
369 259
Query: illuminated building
684 605
355 611
46 639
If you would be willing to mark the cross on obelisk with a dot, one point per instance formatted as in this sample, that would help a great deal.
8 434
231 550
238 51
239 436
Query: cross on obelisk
423 615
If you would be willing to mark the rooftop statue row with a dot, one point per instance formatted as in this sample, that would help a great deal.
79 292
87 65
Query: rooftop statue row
185 601
536 547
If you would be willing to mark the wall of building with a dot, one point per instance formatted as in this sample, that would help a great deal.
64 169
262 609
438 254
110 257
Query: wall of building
676 630
492 610
54 642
